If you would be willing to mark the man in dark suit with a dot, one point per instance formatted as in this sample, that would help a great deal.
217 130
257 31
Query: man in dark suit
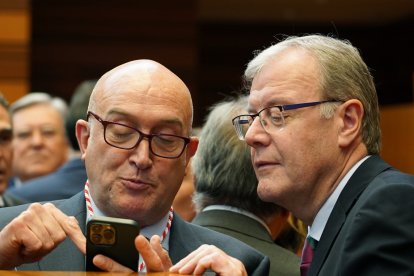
313 126
226 190
135 143
70 178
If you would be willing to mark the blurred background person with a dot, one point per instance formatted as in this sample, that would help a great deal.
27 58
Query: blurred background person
183 201
70 178
293 235
40 145
225 190
6 153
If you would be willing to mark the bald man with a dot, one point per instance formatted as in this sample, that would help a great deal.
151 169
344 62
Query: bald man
136 145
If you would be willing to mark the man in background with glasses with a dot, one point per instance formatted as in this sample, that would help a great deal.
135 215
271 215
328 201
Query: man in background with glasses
136 145
313 127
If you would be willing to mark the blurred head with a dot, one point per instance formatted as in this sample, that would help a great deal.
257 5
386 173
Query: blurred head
183 202
300 162
222 167
6 150
130 104
78 107
40 144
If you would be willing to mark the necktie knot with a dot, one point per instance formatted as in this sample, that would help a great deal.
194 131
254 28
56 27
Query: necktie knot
307 255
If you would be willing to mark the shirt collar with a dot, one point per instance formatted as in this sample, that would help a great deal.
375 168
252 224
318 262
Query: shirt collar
2 203
319 223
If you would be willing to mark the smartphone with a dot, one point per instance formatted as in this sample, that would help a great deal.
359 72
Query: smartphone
113 238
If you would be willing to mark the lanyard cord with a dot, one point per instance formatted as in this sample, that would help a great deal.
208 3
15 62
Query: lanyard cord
91 213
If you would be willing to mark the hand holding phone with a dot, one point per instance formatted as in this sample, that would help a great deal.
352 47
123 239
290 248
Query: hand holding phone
113 238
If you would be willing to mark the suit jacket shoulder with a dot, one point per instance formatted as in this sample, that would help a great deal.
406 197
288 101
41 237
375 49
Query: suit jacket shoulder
67 181
370 226
253 233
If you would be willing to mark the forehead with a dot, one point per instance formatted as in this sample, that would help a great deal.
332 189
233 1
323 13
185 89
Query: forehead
43 113
291 76
148 97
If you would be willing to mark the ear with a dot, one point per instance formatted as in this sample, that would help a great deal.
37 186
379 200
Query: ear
192 148
351 113
82 135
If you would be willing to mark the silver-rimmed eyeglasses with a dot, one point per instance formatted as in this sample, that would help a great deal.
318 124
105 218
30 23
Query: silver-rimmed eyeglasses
271 118
125 137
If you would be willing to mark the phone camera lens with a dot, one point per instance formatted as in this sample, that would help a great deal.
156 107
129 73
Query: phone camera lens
96 238
96 228
108 234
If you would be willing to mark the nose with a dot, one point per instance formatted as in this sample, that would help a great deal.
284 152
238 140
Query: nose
37 138
256 135
140 155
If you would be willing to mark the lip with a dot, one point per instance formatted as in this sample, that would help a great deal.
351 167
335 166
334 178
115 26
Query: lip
261 164
136 184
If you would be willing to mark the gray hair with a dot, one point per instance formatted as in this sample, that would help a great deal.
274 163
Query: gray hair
34 98
222 165
344 76
4 102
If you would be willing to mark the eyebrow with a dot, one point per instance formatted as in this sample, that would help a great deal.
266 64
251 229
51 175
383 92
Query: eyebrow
274 102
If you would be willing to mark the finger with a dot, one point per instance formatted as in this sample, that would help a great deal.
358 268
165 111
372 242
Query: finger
148 254
209 257
107 264
155 243
28 235
71 228
41 224
193 257
222 264
191 260
16 240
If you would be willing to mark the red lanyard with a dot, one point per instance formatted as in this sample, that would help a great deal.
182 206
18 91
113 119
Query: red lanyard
91 213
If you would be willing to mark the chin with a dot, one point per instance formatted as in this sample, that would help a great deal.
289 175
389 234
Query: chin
269 191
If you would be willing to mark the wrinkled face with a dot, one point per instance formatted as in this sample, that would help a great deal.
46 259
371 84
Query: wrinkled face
6 150
135 183
291 163
40 145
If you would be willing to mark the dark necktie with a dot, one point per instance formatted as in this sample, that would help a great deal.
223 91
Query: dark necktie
307 255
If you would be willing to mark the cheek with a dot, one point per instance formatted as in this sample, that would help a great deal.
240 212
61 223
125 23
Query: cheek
56 143
18 147
171 173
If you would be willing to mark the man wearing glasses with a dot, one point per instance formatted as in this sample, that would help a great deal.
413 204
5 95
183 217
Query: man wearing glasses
313 127
136 144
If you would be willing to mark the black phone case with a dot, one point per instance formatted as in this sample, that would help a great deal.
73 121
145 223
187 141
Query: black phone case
122 250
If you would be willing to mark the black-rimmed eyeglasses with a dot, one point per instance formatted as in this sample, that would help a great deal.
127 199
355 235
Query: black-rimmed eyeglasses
125 137
271 118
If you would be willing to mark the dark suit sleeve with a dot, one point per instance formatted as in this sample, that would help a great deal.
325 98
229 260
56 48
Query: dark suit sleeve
381 238
263 268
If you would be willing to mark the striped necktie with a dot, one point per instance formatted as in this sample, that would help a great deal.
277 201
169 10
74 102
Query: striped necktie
307 255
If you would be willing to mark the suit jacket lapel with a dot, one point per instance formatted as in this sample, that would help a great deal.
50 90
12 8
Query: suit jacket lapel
182 240
368 170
